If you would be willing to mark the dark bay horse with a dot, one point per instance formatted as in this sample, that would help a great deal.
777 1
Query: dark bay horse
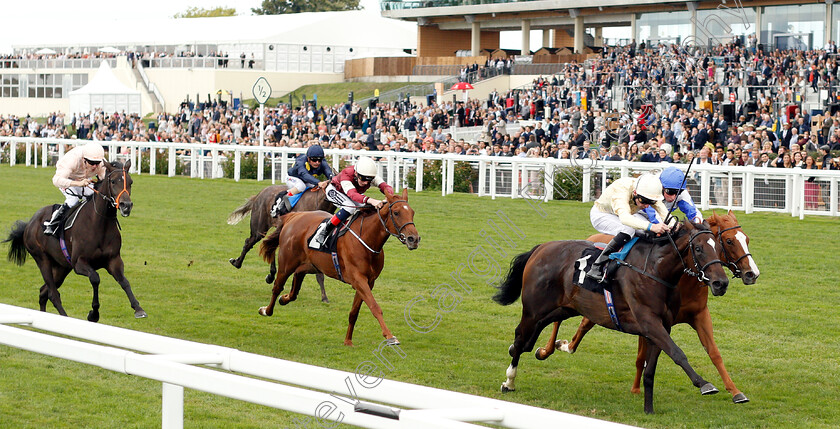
259 206
92 243
360 255
734 251
643 305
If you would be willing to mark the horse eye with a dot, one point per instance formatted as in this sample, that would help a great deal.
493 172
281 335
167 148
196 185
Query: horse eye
729 241
698 248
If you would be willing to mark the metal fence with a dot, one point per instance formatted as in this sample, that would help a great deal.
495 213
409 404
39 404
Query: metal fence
795 191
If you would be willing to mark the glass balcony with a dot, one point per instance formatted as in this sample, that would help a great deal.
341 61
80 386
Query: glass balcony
417 4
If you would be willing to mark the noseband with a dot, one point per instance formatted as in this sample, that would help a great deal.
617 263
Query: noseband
733 265
400 236
698 271
115 201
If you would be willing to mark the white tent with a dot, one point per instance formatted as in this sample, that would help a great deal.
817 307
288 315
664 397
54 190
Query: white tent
105 92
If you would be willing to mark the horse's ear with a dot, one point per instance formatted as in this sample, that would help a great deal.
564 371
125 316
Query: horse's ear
730 213
713 219
389 193
405 194
127 165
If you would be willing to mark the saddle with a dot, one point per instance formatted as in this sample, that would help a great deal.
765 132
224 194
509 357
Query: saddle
292 200
331 242
589 255
70 217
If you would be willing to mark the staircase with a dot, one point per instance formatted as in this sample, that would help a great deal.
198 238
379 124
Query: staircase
151 90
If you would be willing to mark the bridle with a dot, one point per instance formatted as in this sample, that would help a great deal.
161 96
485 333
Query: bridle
733 265
697 271
399 234
115 201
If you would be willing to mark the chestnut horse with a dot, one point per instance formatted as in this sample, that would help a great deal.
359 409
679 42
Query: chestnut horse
643 305
92 243
360 257
735 253
259 206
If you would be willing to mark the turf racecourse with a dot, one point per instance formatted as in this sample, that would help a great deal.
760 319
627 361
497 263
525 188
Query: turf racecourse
778 337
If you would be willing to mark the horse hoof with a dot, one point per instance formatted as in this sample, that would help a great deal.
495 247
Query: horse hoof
93 316
506 389
348 343
233 262
635 390
540 354
269 279
393 341
263 312
740 399
140 314
708 389
325 300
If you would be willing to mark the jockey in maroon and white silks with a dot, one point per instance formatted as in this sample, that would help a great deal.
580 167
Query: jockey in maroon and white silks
72 177
347 192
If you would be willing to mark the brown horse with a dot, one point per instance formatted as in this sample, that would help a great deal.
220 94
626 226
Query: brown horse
643 305
92 243
694 310
360 255
259 206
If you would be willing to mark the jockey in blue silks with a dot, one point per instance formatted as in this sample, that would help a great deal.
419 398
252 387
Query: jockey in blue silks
673 185
302 177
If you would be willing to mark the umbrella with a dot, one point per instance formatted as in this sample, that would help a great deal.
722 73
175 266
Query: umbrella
45 51
110 50
462 86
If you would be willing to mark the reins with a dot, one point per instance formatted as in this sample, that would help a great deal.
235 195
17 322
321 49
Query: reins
700 272
733 265
400 236
115 202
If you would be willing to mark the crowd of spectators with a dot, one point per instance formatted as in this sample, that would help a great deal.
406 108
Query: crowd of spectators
566 115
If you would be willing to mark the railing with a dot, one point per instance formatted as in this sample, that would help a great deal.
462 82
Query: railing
180 364
751 189
55 63
150 86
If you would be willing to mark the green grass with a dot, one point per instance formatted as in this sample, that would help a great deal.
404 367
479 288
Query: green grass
330 94
778 337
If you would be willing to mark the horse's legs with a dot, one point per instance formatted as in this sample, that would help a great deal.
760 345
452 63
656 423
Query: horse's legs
544 352
365 292
279 282
43 297
272 271
59 274
117 270
650 371
320 278
84 269
641 356
526 336
570 347
703 325
297 279
351 319
51 286
657 334
249 244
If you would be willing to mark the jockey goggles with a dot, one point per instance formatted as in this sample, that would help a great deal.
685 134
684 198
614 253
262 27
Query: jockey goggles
645 200
92 162
673 191
361 178
316 159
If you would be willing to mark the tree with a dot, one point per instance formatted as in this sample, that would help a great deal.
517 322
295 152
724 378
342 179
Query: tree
200 12
280 7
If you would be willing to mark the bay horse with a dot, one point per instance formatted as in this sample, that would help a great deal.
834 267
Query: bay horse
92 243
259 206
360 257
643 305
734 251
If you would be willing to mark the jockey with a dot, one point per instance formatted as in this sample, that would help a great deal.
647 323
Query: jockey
72 177
673 183
302 177
346 190
619 212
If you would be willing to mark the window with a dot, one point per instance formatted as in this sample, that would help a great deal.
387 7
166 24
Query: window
42 85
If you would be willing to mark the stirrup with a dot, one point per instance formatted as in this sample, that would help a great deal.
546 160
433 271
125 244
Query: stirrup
599 275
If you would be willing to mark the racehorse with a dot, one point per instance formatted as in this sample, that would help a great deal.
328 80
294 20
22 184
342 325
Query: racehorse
694 310
359 259
259 206
642 304
92 243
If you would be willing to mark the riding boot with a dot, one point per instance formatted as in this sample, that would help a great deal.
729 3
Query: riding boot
282 207
51 226
321 236
595 271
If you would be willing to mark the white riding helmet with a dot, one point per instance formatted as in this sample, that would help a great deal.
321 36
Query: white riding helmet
93 151
366 166
650 187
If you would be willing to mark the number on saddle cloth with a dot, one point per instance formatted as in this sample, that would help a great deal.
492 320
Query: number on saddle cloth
589 255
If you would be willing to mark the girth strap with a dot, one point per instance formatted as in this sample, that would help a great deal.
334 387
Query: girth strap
634 268
337 268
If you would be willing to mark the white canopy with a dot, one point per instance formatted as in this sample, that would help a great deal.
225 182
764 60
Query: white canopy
105 92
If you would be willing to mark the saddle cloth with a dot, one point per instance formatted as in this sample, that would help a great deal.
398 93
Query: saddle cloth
330 243
589 255
69 218
292 200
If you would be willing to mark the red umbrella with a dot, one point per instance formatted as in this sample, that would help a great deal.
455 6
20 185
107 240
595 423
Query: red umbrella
462 86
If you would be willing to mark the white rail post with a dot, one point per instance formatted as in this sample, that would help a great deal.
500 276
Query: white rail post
193 162
493 180
749 191
443 175
237 161
482 177
152 160
12 153
418 172
586 186
548 179
832 197
172 169
172 406
28 154
704 190
44 153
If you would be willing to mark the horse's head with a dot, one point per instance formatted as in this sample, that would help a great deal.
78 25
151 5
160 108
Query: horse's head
699 243
116 186
398 218
734 249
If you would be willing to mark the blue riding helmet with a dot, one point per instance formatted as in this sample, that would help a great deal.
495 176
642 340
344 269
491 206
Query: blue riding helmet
315 151
672 178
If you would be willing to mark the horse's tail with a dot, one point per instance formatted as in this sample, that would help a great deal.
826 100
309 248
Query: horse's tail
269 244
511 287
242 211
17 250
